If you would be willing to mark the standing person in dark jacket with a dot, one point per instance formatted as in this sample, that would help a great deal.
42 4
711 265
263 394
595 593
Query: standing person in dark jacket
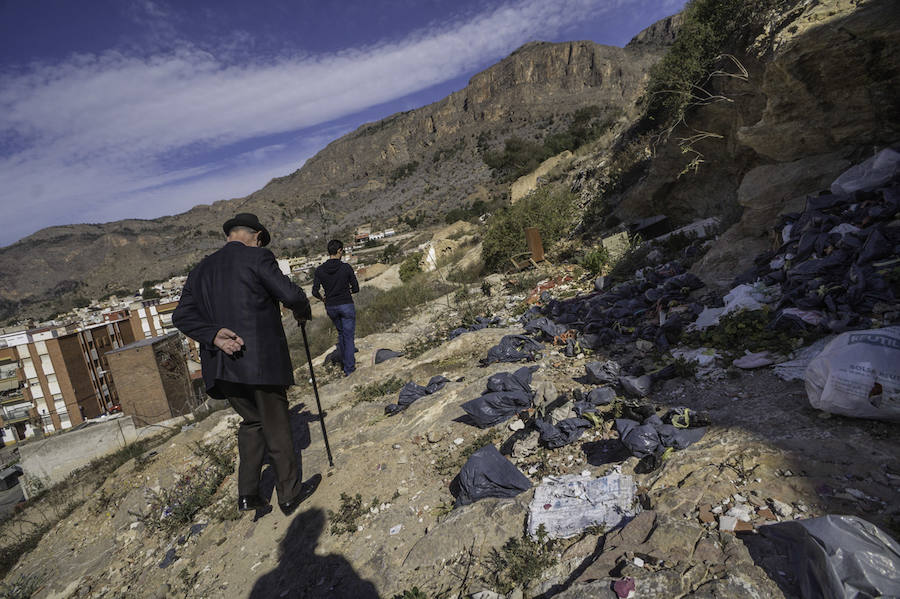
338 281
230 305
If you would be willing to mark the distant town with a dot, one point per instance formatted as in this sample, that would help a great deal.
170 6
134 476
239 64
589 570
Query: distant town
110 357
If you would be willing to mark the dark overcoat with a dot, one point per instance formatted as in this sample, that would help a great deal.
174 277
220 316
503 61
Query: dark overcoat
238 288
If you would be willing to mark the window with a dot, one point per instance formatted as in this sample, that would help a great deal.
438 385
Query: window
28 367
53 385
41 347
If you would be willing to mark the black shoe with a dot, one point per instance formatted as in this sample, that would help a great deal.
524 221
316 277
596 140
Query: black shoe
306 490
250 502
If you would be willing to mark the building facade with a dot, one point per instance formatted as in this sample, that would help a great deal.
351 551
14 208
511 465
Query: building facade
152 379
61 377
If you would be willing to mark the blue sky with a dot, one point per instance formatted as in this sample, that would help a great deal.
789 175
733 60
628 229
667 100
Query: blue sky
114 109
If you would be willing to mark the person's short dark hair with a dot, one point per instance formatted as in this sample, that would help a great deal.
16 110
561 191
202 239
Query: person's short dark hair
334 246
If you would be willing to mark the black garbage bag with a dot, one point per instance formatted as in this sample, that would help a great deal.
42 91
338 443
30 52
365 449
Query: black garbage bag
488 474
481 322
679 438
601 396
876 246
520 380
839 557
563 432
599 373
386 354
654 436
411 392
495 407
545 326
513 348
640 439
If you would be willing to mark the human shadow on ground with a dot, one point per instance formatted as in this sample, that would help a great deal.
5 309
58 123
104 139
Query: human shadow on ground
302 573
300 418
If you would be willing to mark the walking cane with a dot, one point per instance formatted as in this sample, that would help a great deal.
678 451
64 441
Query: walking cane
312 376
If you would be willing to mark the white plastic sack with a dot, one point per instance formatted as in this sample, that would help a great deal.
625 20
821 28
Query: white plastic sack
858 374
795 368
567 505
750 297
877 170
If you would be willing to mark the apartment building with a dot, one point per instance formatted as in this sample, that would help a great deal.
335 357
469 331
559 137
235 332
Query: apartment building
152 379
15 408
62 377
153 318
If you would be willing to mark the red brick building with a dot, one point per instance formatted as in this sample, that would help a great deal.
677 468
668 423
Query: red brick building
152 379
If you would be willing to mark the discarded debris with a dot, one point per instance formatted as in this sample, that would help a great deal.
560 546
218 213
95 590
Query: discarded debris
488 474
481 322
839 556
411 392
653 436
567 505
513 348
562 433
858 374
386 354
507 394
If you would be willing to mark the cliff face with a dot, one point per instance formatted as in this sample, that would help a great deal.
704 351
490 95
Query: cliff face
424 159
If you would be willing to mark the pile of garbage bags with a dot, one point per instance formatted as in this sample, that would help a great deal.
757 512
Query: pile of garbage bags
633 310
839 259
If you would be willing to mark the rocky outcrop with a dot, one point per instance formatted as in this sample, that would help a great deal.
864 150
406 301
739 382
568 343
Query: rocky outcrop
831 83
819 95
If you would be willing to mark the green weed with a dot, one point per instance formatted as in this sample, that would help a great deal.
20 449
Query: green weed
376 390
351 510
521 561
173 508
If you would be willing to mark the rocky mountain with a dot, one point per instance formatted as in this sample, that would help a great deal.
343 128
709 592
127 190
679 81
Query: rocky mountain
426 160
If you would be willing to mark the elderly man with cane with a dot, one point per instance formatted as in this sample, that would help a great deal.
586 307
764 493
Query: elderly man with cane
230 305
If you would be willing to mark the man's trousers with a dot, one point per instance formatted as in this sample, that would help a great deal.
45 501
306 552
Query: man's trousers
266 428
344 318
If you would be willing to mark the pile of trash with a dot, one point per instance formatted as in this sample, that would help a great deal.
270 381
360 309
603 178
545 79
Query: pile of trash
653 306
838 266
837 269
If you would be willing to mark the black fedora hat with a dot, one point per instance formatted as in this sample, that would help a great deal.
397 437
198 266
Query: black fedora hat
245 219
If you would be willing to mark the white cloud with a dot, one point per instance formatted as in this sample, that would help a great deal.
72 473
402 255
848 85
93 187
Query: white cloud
101 129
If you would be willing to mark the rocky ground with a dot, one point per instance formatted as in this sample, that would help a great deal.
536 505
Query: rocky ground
768 456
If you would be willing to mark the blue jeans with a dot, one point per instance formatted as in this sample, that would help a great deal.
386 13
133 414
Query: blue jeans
344 319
